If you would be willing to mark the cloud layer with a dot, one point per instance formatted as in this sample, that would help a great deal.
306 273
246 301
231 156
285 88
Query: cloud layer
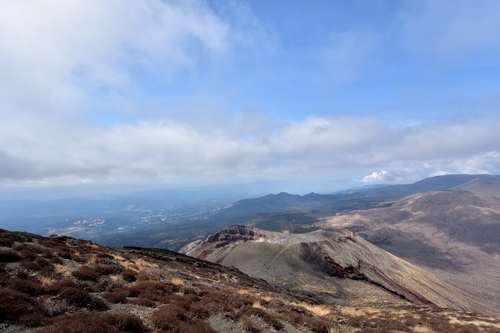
65 64
173 151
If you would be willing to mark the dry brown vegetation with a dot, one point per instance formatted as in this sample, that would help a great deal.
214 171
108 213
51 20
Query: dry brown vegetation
174 318
98 323
9 255
66 285
86 273
82 299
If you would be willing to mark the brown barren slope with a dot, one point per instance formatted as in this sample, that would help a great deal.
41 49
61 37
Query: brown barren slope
455 234
342 265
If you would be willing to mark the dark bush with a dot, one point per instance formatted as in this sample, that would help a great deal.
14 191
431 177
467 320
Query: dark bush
5 241
39 264
56 260
107 269
142 302
97 323
33 319
129 275
154 291
173 318
167 317
195 326
81 298
14 305
86 273
115 296
9 255
105 256
64 253
22 275
249 311
32 288
125 322
218 301
27 254
57 286
79 258
249 326
302 319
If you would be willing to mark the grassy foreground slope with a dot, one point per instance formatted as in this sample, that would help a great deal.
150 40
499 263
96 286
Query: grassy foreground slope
61 284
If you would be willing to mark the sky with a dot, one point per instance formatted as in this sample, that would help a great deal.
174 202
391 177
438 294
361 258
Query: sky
314 95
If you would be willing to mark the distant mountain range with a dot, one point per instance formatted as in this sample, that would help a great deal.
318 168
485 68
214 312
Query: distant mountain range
285 211
447 227
343 201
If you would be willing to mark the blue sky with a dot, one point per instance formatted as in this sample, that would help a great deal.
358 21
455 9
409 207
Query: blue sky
318 95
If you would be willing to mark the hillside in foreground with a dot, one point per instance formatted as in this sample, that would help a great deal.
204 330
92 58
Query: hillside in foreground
61 284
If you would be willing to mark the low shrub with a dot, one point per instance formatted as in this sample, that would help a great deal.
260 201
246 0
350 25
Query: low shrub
129 275
248 311
27 254
142 302
56 287
173 318
33 319
38 264
81 298
64 253
97 323
14 305
125 322
249 326
195 326
32 288
302 319
6 241
217 301
154 291
115 296
86 273
105 256
9 255
166 316
107 269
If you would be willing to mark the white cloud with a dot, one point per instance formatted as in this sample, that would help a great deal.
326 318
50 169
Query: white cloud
52 152
54 54
377 176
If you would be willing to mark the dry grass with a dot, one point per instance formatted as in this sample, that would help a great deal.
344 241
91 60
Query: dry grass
65 270
319 310
177 281
46 281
